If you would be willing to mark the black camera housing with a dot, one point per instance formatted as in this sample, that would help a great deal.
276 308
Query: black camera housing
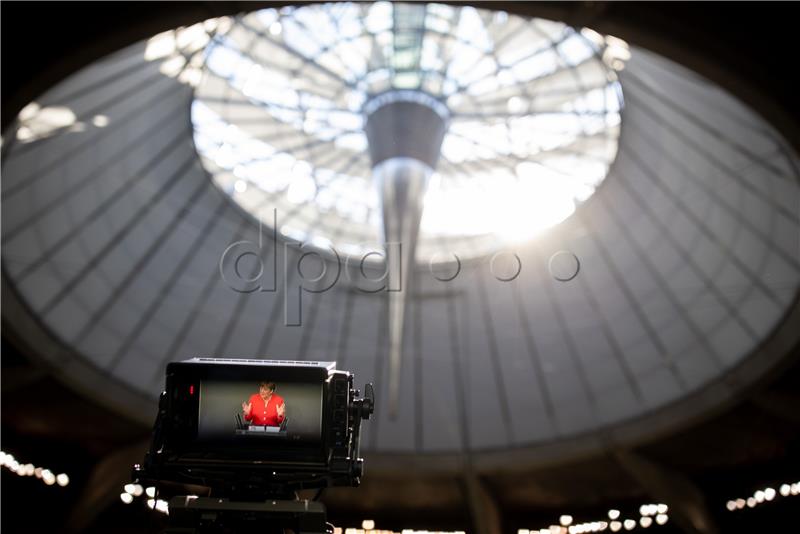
191 443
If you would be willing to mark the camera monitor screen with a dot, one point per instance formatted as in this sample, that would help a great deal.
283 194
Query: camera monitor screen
251 409
258 409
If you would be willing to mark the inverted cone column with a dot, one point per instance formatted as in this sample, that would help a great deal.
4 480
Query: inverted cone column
405 131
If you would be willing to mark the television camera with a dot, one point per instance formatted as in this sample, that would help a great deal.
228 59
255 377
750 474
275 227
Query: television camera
252 467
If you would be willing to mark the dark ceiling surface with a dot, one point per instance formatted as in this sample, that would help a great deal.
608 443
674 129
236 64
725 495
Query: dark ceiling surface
748 48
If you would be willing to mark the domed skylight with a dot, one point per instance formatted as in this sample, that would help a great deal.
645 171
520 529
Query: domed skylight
532 110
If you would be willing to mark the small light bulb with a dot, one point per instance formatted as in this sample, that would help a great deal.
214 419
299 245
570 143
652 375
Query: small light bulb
101 121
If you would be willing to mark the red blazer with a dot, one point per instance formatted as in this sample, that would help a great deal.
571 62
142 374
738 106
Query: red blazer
262 413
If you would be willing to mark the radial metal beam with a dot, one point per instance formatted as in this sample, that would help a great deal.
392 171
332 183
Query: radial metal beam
687 504
102 488
483 507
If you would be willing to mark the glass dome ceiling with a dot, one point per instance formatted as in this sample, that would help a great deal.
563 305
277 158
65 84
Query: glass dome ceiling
687 294
532 106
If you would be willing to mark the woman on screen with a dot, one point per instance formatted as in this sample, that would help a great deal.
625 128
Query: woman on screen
265 407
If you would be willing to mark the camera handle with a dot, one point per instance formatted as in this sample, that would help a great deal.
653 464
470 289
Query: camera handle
361 408
364 407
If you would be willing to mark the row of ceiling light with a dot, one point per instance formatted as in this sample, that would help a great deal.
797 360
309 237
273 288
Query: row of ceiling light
371 530
26 470
657 513
764 495
650 514
131 491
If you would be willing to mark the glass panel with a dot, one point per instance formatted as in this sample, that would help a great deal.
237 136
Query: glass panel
533 105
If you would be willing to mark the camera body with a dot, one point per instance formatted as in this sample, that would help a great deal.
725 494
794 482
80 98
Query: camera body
200 436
